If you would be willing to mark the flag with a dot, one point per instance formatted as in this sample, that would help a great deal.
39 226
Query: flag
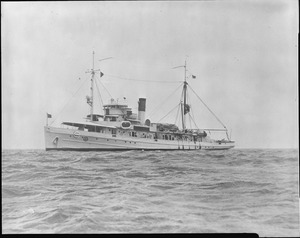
101 74
193 76
186 109
49 115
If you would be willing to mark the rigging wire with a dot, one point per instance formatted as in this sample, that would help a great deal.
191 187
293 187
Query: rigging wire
177 113
160 105
99 92
54 119
191 115
157 81
188 101
193 121
168 113
208 108
180 107
139 64
106 89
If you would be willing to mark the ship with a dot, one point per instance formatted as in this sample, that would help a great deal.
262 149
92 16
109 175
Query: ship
119 128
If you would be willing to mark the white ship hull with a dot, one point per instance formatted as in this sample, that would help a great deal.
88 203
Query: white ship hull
72 139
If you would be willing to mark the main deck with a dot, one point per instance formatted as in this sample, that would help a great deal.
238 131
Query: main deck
72 139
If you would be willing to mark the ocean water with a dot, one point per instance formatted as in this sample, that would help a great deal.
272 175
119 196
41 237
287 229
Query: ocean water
239 190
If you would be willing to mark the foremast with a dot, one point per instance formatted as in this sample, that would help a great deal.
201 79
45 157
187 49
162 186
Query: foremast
90 100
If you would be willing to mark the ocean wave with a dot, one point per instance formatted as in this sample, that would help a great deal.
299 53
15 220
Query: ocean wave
24 176
214 155
135 174
150 191
233 184
57 216
162 187
15 193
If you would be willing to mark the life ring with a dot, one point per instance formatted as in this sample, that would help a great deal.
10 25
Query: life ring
125 124
76 134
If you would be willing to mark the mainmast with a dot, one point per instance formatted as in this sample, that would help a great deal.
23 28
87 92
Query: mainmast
92 88
184 107
184 98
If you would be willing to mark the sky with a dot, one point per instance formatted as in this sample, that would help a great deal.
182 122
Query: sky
244 55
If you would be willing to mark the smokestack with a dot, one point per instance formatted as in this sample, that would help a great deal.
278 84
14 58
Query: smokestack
142 110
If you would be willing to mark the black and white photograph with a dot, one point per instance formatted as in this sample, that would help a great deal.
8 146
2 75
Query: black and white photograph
138 117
